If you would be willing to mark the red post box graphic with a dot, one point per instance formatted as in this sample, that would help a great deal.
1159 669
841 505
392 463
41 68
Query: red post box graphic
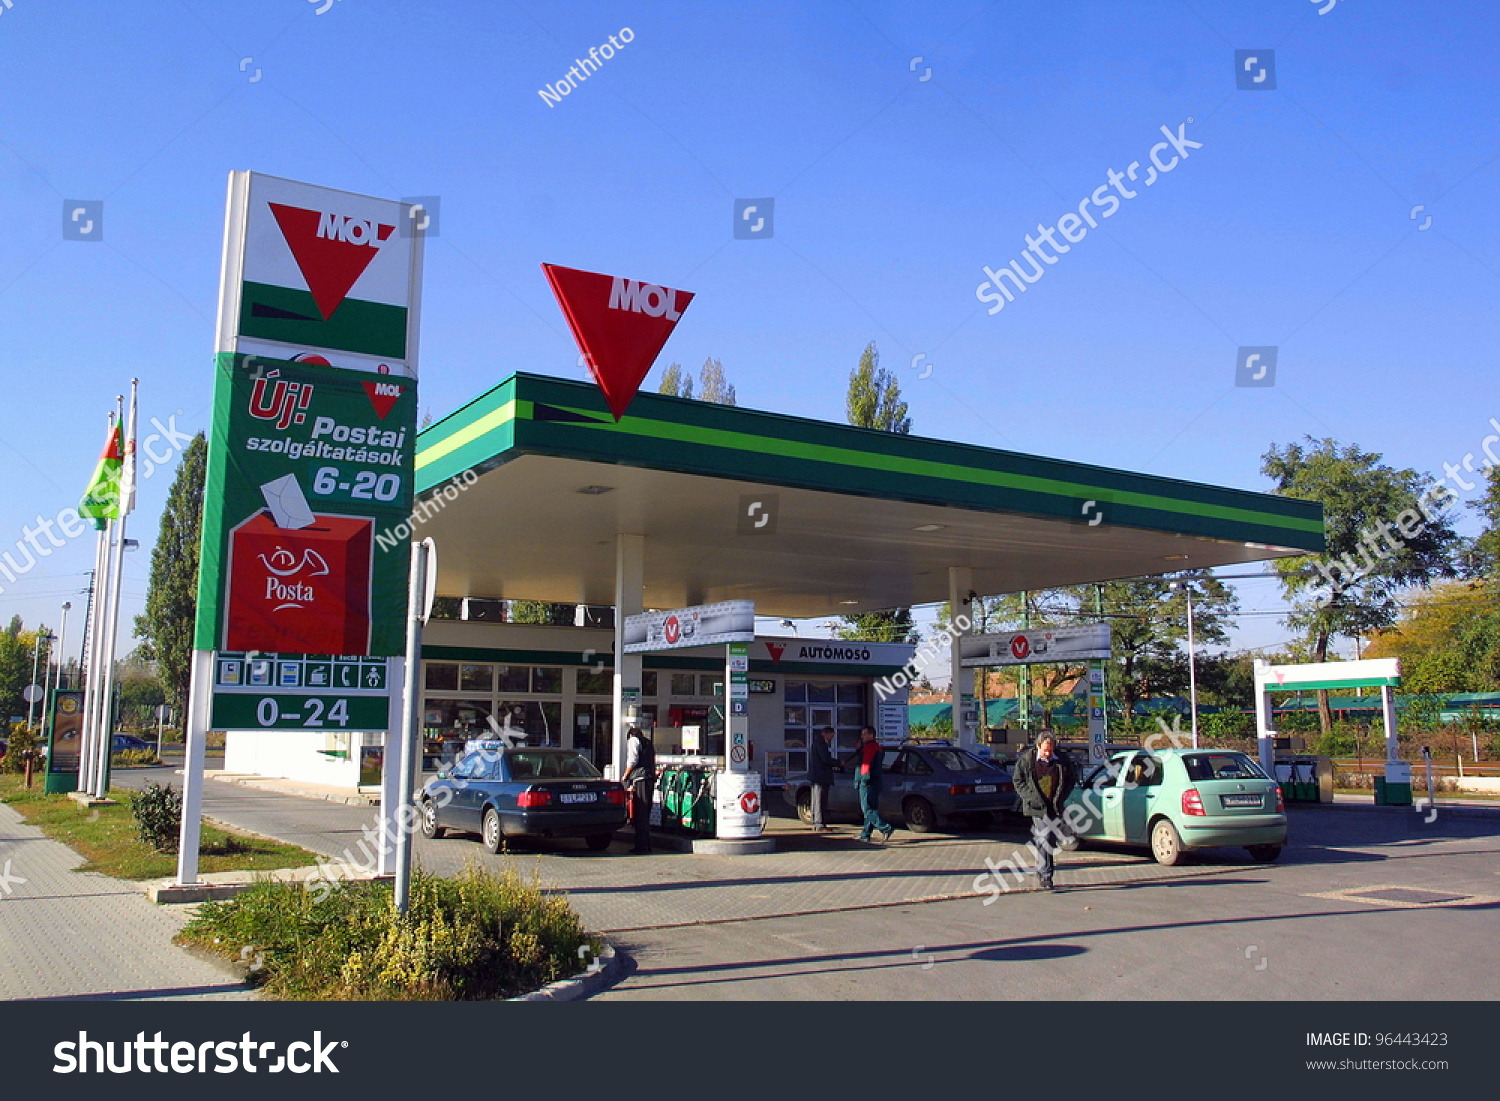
303 590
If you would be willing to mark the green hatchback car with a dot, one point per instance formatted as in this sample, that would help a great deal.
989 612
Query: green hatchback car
1175 800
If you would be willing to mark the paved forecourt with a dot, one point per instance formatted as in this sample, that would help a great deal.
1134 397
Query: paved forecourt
69 934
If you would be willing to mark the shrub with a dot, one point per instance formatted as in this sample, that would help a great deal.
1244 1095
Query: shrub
128 758
21 739
158 816
475 936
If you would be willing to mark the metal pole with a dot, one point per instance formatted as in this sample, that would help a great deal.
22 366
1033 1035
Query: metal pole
112 629
98 592
62 642
36 658
412 697
1192 669
195 738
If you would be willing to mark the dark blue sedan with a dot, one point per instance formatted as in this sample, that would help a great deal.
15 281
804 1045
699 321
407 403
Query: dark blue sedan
500 792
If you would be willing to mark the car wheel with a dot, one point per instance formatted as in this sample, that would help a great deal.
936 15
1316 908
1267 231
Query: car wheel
430 829
598 842
1265 854
1166 844
804 805
920 817
494 839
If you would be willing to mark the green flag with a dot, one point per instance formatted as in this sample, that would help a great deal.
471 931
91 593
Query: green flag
101 501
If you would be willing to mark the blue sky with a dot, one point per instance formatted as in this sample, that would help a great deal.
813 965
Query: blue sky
1292 226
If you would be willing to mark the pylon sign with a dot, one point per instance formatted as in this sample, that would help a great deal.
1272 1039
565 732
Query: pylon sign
318 275
312 446
620 325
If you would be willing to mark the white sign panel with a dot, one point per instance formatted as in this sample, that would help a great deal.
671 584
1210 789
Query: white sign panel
681 628
1086 642
319 275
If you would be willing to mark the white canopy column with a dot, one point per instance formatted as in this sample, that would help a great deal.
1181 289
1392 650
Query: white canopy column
630 593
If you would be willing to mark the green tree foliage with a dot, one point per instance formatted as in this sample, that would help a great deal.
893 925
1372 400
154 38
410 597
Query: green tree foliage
1486 548
1448 639
17 653
1148 632
713 385
543 612
875 396
1388 530
875 402
172 597
676 382
888 625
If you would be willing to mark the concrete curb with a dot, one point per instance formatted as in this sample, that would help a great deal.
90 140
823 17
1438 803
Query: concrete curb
289 787
611 970
1445 810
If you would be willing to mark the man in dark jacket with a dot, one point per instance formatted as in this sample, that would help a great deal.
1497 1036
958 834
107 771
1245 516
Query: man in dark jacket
1043 778
820 766
869 776
640 782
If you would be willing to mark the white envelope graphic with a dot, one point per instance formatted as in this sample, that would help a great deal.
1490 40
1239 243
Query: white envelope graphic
288 504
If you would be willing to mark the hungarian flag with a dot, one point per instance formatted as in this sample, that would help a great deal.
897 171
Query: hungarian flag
101 501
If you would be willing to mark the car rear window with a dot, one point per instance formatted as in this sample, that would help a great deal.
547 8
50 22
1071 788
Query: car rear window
550 766
956 760
1221 766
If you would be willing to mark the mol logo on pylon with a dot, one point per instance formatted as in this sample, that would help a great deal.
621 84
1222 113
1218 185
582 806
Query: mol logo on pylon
332 250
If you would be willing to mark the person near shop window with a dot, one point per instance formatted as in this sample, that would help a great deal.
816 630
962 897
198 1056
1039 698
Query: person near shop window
820 766
640 780
869 777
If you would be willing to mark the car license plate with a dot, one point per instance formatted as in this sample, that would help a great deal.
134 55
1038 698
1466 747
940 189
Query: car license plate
984 789
1242 800
578 797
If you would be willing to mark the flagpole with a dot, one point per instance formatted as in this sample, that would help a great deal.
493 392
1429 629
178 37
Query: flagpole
87 736
103 650
117 584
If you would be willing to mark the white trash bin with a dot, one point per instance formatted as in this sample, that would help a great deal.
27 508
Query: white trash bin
738 809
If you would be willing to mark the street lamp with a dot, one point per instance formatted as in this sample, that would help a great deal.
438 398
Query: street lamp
62 642
1187 590
36 655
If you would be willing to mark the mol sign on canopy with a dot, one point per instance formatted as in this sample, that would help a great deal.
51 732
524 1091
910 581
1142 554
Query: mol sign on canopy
314 424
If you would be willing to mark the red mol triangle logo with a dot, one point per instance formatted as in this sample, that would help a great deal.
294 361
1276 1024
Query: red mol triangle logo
383 395
332 250
776 649
620 326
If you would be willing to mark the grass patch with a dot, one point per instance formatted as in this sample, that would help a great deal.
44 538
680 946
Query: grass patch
473 937
107 840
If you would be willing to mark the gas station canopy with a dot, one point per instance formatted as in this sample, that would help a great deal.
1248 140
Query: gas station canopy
854 519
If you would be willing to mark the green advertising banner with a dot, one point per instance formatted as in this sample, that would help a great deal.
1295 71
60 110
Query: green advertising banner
333 692
310 472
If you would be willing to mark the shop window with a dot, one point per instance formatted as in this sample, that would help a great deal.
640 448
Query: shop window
795 716
476 678
515 678
852 716
684 684
591 683
648 683
540 720
796 761
711 684
442 675
796 692
443 715
821 693
547 679
852 693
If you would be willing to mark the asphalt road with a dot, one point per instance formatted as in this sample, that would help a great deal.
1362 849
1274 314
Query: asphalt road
1247 932
1222 929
